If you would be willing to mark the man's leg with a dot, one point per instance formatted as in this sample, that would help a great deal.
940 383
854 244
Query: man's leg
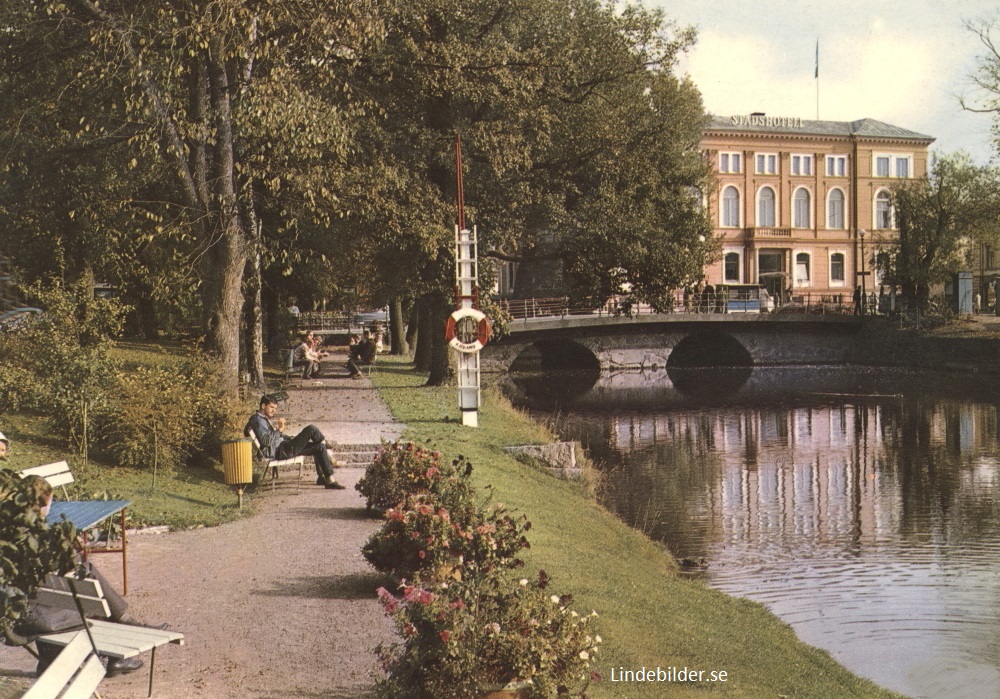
310 442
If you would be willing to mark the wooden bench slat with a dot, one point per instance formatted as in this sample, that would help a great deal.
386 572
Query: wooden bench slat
48 470
92 606
61 671
120 640
85 683
90 587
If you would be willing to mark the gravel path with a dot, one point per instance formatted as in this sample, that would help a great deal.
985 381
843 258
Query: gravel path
279 605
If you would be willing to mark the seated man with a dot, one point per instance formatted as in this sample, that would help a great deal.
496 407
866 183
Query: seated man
41 619
3 447
362 354
275 445
303 356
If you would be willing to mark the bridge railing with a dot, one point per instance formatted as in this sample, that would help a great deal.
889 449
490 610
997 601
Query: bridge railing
806 303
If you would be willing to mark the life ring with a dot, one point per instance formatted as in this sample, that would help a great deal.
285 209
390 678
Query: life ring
467 330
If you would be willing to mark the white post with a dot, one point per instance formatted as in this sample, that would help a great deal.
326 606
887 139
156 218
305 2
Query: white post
467 279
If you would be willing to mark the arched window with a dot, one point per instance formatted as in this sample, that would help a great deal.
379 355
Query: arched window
835 210
731 268
730 207
801 207
802 269
883 210
765 207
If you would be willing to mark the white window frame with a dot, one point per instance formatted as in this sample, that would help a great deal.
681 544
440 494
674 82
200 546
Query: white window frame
800 283
733 162
802 165
843 212
722 207
766 163
832 169
774 208
892 211
739 267
837 282
894 160
809 209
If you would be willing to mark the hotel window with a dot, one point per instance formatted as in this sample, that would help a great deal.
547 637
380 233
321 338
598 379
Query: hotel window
802 165
765 208
883 210
802 269
884 165
731 268
836 165
835 210
801 208
730 207
729 163
838 274
767 164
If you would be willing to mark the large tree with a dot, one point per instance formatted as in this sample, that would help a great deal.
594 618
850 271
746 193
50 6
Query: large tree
228 102
938 218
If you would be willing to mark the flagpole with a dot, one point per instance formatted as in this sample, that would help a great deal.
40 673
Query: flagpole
817 79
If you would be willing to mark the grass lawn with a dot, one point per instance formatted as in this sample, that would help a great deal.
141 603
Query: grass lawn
649 616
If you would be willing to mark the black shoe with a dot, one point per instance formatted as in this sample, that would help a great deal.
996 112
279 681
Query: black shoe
333 485
321 481
123 666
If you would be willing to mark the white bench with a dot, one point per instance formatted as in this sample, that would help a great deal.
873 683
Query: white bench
59 475
74 674
272 465
110 639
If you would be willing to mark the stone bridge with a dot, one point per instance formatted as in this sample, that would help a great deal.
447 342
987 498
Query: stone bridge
675 340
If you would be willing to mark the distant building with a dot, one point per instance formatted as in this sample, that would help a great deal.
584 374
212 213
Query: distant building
793 196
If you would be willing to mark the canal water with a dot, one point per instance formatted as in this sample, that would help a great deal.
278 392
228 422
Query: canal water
862 506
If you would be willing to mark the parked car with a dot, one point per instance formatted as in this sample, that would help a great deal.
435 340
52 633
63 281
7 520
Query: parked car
17 317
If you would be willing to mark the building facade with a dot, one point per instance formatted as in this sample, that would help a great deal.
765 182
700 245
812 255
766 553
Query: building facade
796 200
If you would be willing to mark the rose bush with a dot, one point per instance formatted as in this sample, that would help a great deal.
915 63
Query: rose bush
462 639
404 468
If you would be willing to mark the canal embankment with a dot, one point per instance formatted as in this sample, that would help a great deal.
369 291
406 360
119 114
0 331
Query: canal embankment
651 616
968 345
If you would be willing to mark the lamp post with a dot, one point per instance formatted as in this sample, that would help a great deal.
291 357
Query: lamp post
864 291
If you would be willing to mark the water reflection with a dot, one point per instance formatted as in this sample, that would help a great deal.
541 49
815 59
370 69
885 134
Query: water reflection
865 512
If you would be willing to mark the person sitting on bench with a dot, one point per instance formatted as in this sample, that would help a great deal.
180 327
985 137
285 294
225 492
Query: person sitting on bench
275 445
362 354
42 619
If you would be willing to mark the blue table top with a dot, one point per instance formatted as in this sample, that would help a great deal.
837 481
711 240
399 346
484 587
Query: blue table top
84 514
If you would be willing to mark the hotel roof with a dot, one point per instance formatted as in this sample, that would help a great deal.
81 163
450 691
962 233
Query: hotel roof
763 124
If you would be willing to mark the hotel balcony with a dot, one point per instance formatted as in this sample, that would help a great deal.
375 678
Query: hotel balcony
766 233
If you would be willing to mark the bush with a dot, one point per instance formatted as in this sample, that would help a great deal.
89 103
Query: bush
401 469
462 639
30 549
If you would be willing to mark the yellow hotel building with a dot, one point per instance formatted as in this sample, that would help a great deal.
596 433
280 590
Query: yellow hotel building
796 200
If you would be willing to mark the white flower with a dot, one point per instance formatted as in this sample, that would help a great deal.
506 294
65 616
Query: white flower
555 599
523 582
584 655
574 614
597 638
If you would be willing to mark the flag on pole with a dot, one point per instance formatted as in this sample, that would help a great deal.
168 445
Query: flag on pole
817 59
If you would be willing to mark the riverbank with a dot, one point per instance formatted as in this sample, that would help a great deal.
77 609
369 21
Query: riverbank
650 615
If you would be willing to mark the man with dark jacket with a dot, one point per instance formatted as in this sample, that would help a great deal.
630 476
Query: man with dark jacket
275 445
362 354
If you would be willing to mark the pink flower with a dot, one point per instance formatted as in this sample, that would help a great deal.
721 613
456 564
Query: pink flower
595 677
409 630
432 472
445 635
422 554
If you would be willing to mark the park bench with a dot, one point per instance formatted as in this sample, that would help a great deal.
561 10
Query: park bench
271 466
85 514
288 359
110 639
74 674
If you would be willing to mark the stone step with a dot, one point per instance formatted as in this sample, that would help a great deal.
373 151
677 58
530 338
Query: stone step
355 455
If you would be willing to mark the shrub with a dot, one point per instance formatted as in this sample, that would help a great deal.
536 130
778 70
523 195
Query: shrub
463 639
30 549
403 468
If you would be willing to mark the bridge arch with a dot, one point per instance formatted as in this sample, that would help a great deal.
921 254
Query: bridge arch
711 348
555 355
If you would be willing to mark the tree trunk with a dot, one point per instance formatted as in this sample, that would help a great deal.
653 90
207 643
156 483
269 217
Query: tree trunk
413 327
441 370
254 344
397 332
422 352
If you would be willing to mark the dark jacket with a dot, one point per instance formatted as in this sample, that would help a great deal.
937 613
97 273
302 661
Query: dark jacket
267 434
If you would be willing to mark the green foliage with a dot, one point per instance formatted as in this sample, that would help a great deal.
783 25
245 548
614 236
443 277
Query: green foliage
938 219
462 639
30 549
63 355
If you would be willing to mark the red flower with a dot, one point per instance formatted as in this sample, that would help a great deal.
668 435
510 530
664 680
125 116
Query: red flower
445 635
422 554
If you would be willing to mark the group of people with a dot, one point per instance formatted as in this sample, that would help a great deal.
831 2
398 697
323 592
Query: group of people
309 355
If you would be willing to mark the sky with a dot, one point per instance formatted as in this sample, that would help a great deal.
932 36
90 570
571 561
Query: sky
903 62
